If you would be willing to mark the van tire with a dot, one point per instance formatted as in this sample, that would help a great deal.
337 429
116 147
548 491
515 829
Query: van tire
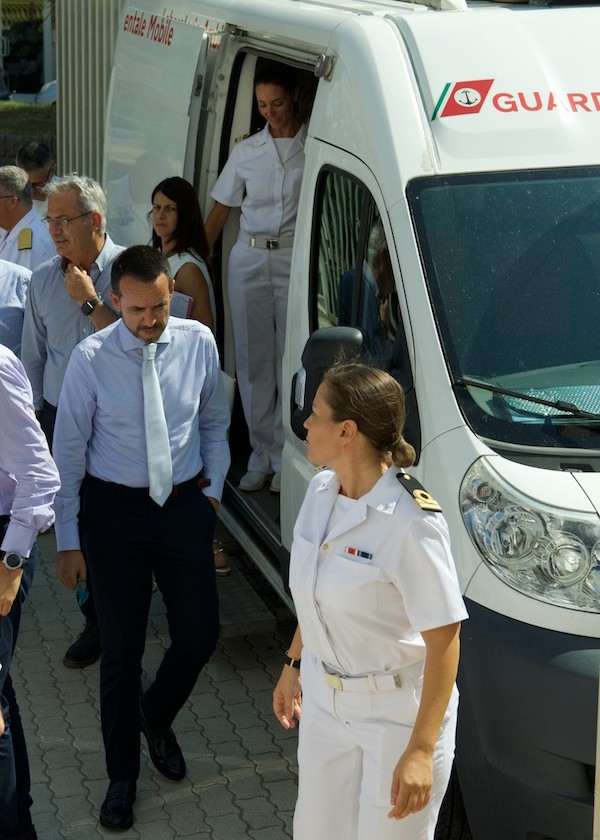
452 821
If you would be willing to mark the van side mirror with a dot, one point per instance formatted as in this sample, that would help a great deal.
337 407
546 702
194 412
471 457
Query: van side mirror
323 349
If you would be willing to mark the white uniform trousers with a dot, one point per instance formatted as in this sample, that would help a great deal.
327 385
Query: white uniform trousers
258 282
349 744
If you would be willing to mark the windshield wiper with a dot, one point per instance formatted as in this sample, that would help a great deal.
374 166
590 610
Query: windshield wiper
560 405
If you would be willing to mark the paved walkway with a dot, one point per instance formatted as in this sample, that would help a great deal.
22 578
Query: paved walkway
241 780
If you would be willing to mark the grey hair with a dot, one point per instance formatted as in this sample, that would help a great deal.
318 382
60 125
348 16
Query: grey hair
90 195
15 180
377 241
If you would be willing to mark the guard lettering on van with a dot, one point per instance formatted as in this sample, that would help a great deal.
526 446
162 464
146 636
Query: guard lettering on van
469 98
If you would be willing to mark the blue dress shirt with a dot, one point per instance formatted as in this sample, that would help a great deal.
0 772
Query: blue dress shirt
100 420
14 280
54 323
28 476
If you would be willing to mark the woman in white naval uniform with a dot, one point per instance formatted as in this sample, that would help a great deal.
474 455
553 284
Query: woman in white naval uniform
379 610
262 177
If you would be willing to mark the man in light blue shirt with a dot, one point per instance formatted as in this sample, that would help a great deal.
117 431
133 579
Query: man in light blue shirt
28 483
68 300
103 443
14 281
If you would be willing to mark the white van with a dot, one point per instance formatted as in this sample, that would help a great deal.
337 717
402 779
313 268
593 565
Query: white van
470 134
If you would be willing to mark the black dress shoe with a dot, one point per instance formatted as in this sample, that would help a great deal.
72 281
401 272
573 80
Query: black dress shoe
116 812
165 752
86 649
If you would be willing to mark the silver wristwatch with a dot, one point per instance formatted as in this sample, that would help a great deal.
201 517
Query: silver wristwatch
13 561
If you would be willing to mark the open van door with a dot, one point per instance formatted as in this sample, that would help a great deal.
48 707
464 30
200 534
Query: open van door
153 116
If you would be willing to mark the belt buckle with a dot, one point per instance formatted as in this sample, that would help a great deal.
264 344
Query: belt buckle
333 681
272 244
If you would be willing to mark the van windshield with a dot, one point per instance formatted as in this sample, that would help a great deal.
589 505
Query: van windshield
512 263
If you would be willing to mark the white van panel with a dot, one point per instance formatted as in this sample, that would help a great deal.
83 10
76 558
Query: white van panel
149 113
500 102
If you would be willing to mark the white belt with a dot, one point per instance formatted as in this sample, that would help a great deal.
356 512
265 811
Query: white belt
269 244
375 682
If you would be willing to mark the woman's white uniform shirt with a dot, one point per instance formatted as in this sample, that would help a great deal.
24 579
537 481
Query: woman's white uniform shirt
364 589
262 176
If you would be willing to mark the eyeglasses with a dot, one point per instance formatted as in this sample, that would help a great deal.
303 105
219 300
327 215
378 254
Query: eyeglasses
8 196
63 221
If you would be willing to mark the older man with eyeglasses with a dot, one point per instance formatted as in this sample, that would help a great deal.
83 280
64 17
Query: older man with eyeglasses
69 300
24 240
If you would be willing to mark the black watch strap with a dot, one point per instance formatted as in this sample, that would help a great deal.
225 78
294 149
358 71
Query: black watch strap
88 307
293 663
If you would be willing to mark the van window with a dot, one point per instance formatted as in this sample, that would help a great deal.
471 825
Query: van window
512 262
354 275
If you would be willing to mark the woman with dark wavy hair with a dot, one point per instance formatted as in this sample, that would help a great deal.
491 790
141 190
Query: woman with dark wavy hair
178 231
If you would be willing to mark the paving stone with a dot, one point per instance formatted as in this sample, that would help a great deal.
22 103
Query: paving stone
283 792
74 810
217 800
244 783
218 730
259 812
228 827
187 819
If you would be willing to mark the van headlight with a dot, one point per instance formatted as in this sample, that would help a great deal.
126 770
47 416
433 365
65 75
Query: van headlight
547 553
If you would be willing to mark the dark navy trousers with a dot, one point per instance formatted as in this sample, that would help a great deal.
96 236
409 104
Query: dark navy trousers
126 538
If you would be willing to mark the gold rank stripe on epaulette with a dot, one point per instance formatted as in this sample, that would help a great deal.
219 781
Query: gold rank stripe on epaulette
424 499
25 240
245 136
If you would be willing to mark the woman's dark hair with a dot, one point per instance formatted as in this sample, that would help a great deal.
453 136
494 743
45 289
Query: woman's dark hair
275 73
189 233
375 401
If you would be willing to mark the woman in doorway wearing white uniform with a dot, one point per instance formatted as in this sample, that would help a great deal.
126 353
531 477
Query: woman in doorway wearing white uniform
262 177
379 611
178 231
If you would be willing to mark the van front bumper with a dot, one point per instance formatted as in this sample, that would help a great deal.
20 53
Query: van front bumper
526 739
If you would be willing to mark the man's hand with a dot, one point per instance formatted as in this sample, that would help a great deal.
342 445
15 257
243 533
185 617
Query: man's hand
10 581
79 285
213 502
70 566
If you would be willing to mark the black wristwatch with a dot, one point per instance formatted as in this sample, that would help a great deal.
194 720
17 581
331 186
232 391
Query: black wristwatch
88 307
13 561
293 663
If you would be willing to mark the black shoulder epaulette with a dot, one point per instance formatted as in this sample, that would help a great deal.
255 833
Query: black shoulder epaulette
424 499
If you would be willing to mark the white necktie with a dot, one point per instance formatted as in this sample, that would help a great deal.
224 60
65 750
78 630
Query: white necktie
160 468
